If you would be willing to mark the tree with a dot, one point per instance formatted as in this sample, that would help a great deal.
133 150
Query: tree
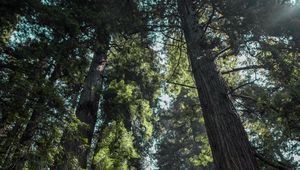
126 128
228 139
182 141
31 70
86 111
82 84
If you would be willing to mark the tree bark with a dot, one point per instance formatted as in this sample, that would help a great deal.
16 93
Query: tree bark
228 140
87 107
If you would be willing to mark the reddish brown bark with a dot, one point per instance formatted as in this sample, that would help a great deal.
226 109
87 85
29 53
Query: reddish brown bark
227 137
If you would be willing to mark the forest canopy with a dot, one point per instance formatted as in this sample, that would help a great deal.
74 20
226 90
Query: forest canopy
150 84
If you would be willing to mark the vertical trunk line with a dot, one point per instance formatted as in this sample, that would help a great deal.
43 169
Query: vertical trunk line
89 100
86 110
230 147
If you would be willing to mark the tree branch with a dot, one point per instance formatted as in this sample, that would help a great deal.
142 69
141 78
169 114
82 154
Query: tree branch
178 61
275 164
179 84
221 52
244 97
243 68
209 20
240 86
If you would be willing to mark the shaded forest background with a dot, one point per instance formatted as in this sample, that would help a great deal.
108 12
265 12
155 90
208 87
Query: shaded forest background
150 84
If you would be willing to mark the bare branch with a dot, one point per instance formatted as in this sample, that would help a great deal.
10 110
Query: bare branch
178 61
172 38
275 164
179 84
209 20
243 68
244 97
221 52
240 86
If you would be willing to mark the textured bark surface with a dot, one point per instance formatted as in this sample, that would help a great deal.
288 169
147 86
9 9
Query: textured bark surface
87 107
90 95
88 104
227 137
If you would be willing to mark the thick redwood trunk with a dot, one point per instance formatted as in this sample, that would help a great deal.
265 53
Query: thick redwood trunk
227 137
87 107
89 101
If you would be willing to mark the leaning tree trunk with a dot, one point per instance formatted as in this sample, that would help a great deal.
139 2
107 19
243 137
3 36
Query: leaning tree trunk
87 107
228 140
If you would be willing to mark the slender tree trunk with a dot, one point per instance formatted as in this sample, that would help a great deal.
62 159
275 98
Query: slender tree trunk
26 140
87 107
227 137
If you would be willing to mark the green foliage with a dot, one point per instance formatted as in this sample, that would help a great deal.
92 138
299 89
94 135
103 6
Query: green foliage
183 143
204 158
276 130
46 48
116 147
128 102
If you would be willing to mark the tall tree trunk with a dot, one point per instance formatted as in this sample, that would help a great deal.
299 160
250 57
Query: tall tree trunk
26 140
24 132
87 107
227 137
